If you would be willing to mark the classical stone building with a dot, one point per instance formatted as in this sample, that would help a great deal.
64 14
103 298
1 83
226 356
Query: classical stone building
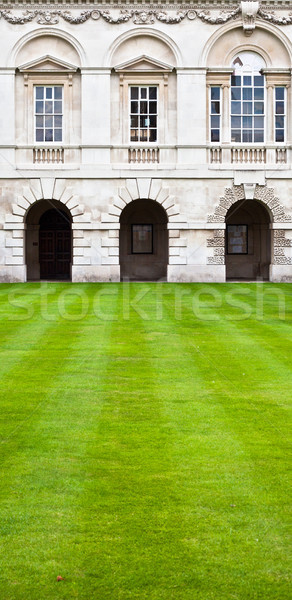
146 141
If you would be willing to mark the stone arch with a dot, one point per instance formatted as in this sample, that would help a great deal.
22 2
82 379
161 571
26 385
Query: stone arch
111 53
44 32
141 188
34 191
262 193
230 38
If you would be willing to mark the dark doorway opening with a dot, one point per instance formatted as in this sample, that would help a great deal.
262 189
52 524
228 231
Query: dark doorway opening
143 241
54 245
48 241
248 241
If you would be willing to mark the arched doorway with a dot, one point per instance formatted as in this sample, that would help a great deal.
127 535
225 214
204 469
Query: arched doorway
143 241
248 241
48 241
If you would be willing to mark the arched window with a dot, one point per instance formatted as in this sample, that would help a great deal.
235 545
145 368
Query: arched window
248 99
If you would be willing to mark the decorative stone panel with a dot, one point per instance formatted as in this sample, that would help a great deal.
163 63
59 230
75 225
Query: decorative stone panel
218 243
280 243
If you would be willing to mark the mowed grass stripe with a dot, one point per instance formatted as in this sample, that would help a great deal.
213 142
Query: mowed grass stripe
47 474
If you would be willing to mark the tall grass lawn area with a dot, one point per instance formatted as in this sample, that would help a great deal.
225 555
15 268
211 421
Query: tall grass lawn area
144 441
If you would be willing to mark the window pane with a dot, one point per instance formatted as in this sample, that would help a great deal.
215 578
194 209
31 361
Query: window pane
236 239
134 121
246 80
39 92
259 136
39 135
247 122
58 121
143 107
215 108
215 122
235 122
153 121
152 108
247 108
142 239
247 135
153 135
49 121
280 108
48 135
258 108
57 106
58 93
134 135
143 135
259 122
144 121
152 93
259 80
236 93
247 94
134 93
58 135
259 93
39 107
48 107
39 121
280 122
215 135
280 137
280 93
236 135
134 107
235 80
215 93
235 108
49 93
143 92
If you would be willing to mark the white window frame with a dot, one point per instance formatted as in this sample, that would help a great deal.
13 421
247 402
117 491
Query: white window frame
215 114
44 115
148 128
284 115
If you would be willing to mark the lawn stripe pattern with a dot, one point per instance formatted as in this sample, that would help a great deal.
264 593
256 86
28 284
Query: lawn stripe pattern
144 443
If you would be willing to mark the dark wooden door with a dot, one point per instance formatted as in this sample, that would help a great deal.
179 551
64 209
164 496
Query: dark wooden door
55 245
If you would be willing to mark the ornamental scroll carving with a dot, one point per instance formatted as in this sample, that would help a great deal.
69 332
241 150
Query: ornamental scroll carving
249 12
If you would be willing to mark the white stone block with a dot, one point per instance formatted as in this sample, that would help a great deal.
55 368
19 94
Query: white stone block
14 260
163 194
124 195
14 242
155 188
177 260
178 242
59 188
78 251
82 260
106 242
110 260
17 251
143 187
113 252
48 184
132 188
174 233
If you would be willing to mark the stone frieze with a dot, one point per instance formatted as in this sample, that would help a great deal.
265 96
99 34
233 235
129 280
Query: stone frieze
248 11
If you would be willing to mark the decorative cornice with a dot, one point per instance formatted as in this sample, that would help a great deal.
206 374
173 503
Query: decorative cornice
248 10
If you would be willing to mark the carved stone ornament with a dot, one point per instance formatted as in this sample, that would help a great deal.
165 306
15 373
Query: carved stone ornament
249 11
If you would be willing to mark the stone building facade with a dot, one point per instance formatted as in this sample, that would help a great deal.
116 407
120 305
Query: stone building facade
146 141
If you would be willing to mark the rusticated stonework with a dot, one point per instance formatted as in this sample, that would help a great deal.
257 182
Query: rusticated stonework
262 194
280 243
218 243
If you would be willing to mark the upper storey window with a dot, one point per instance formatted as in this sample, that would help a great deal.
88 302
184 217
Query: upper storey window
48 113
143 113
247 99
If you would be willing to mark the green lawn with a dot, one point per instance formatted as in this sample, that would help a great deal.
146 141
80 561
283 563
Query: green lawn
144 446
